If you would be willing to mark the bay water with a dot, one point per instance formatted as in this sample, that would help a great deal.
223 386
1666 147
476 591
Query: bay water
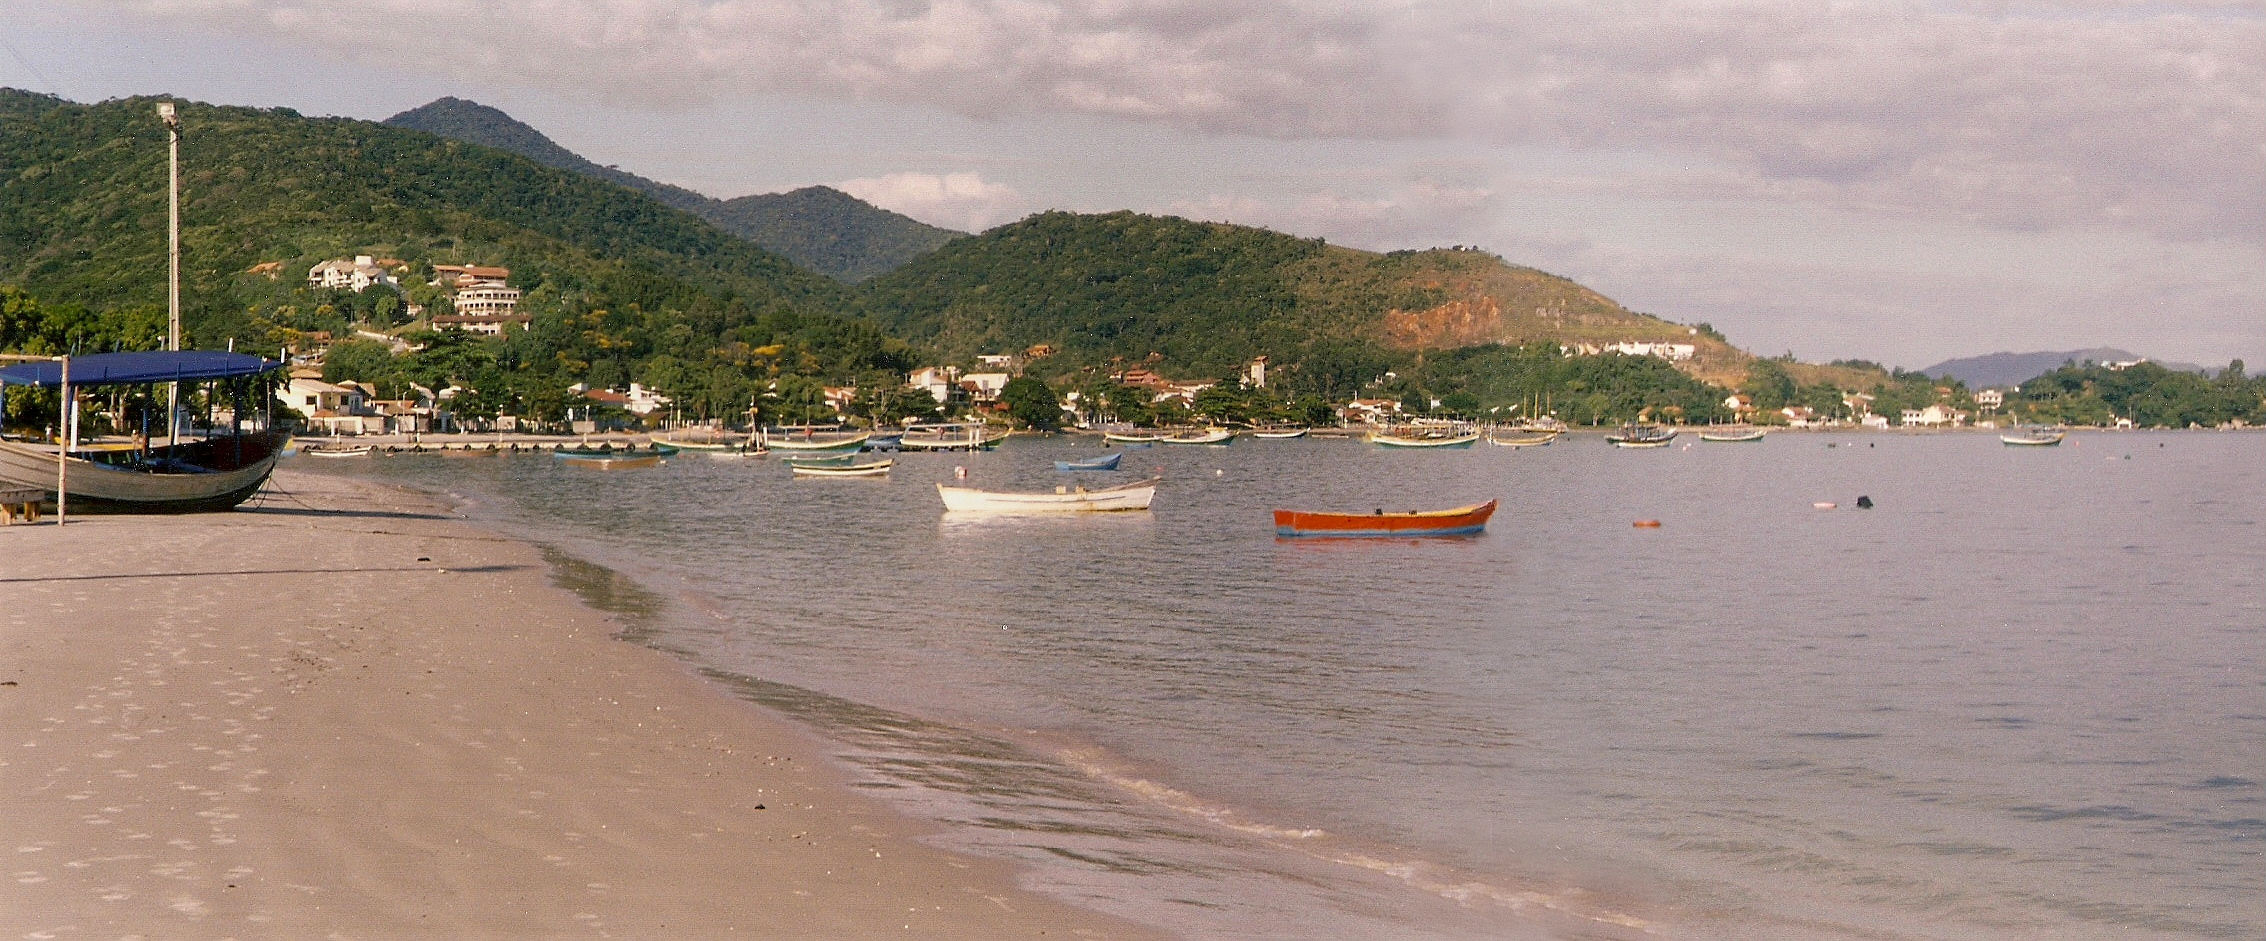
2023 696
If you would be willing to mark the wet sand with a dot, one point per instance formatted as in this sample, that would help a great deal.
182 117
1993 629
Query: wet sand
347 715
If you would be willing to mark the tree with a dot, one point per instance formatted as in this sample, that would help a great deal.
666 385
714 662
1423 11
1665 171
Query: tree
1031 402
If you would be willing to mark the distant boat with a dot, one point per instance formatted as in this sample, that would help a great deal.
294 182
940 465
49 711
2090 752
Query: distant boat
811 439
1733 433
2034 437
1425 438
608 451
1220 437
338 450
1106 462
1528 441
954 436
1133 496
1279 434
618 461
1461 521
885 442
705 444
822 458
1131 435
1641 435
808 469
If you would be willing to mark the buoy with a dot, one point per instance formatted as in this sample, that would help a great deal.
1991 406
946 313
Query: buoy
1646 524
1219 473
1864 503
959 473
1824 506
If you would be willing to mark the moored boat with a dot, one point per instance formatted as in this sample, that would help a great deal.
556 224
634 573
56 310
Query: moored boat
2034 437
1219 437
1126 434
1460 521
338 450
1525 441
810 469
951 436
1279 434
814 439
1133 496
1733 433
1105 462
1425 437
1641 435
623 460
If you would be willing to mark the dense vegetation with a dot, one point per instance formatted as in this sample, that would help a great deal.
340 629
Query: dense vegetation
2147 395
619 285
820 228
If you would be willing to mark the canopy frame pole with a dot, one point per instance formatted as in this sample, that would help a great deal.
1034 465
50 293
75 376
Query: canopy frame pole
63 451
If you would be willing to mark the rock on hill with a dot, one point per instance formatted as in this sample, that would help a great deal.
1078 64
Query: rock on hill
823 229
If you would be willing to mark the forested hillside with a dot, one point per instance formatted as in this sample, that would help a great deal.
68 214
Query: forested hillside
618 283
820 228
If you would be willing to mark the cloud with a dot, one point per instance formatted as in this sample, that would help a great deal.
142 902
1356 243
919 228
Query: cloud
2014 114
960 201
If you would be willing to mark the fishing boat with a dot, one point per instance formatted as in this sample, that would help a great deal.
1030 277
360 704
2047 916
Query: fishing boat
1733 433
2038 437
1133 496
708 443
1127 434
885 441
607 451
1425 437
338 450
950 436
1641 435
874 469
1461 521
213 474
820 458
1279 434
1105 462
814 439
1217 437
1525 441
623 460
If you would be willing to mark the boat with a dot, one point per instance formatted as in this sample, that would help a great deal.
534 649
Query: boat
213 474
1460 521
705 444
820 458
1133 496
1217 437
1279 434
1128 435
622 460
1641 435
2034 437
809 469
950 436
891 441
813 439
1526 441
608 451
338 450
1105 462
1733 433
1425 437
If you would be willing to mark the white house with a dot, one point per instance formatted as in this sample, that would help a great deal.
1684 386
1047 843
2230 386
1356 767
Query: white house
355 275
1990 399
984 386
938 381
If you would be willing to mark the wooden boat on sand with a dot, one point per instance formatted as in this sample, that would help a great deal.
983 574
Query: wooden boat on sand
1133 496
214 474
1460 521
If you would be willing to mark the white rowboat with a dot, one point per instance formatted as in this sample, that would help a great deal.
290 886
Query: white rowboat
1133 496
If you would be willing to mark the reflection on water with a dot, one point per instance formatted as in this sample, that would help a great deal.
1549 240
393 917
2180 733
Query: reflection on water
2019 697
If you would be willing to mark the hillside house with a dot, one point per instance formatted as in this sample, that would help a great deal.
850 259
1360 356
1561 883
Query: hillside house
938 381
355 275
491 325
1990 400
1372 411
984 386
1673 352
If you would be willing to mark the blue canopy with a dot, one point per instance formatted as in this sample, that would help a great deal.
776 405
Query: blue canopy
118 369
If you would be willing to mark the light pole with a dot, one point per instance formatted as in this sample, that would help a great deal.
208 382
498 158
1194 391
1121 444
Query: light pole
173 262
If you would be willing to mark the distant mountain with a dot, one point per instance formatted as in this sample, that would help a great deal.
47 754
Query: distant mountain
1207 297
2009 369
823 229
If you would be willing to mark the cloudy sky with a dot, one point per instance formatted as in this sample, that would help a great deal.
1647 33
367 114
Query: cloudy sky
1896 182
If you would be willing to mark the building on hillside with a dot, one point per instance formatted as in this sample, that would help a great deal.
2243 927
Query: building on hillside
1255 373
355 275
1801 416
1673 352
464 276
984 387
1938 415
1739 404
487 300
1990 400
1859 404
639 400
1371 411
492 325
1874 421
1004 361
1185 392
840 398
938 381
1141 377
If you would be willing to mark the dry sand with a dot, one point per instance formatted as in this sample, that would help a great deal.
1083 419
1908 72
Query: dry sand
366 720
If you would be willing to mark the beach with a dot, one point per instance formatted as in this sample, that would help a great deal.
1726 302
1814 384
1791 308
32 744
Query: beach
348 714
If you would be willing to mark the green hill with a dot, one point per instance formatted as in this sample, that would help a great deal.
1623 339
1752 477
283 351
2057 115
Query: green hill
820 228
616 280
1205 298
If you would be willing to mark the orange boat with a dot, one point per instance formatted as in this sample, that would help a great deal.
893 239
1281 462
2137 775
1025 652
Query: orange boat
1461 521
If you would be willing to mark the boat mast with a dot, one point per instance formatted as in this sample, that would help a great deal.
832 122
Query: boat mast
173 262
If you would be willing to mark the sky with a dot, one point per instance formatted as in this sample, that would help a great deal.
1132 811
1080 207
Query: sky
1897 182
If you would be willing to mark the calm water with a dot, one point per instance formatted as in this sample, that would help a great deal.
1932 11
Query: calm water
2024 697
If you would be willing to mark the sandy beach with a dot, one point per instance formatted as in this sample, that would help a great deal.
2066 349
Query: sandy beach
361 718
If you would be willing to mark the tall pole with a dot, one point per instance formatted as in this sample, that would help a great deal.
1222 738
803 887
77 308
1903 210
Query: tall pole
173 262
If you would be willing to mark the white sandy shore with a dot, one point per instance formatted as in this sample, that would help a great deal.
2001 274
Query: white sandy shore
381 723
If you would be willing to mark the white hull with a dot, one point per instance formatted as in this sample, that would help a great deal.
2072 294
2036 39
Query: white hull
91 484
1215 436
874 469
1134 496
